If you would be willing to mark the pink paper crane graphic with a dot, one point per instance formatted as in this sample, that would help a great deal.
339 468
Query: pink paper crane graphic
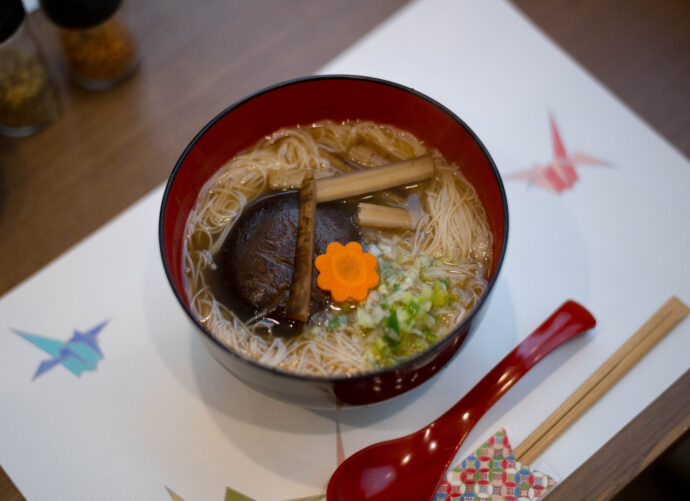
559 174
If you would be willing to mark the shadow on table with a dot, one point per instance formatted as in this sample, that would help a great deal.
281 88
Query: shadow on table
666 478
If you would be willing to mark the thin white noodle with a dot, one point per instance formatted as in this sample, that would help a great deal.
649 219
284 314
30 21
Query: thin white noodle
454 228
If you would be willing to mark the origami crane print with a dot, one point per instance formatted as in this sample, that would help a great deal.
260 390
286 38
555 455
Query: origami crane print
560 174
80 353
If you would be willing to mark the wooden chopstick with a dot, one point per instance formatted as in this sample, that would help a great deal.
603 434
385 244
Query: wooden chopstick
665 319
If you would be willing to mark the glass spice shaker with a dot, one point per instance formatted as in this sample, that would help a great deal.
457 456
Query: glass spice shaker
29 100
97 45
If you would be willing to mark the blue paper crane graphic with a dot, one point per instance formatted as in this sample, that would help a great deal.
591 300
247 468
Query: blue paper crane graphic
81 353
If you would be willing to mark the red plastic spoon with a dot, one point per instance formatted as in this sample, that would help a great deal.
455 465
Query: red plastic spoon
411 467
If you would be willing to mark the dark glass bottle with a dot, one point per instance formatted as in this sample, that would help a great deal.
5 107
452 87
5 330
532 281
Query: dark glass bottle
29 100
98 46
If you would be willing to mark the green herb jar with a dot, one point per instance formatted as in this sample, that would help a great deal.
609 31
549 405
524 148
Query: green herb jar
29 100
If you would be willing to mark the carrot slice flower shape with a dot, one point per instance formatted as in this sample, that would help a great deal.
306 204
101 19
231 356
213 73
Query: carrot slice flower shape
346 271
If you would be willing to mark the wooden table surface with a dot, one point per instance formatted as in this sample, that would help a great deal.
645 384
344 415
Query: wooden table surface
108 149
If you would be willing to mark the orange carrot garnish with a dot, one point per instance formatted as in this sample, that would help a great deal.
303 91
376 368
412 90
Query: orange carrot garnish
346 271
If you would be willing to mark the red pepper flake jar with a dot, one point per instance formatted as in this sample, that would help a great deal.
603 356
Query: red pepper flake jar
97 44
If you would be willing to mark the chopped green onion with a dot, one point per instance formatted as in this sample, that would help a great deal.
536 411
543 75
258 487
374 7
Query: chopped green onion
392 322
430 337
413 308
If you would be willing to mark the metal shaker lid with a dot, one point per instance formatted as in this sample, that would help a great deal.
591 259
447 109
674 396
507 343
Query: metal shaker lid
79 13
11 16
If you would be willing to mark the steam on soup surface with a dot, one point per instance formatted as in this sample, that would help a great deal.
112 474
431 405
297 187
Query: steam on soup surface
430 276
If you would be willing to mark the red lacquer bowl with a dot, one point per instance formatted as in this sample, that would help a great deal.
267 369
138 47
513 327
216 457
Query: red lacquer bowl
305 101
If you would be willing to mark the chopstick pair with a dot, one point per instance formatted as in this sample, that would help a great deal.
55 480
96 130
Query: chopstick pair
662 322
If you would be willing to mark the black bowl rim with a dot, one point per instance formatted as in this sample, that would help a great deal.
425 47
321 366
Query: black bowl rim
365 375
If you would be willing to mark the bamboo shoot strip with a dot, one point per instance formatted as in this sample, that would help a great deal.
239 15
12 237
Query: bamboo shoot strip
300 287
374 179
291 178
344 165
380 216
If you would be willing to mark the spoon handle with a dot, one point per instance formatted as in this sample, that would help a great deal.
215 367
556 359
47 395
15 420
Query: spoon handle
569 320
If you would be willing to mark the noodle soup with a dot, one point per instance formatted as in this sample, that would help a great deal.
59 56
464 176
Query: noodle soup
430 276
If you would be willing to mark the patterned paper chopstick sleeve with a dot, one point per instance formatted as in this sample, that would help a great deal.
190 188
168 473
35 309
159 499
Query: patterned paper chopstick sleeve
493 474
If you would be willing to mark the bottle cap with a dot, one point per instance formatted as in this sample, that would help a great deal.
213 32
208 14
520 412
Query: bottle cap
79 13
11 16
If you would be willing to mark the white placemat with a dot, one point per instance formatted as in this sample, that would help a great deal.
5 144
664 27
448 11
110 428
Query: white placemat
149 413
